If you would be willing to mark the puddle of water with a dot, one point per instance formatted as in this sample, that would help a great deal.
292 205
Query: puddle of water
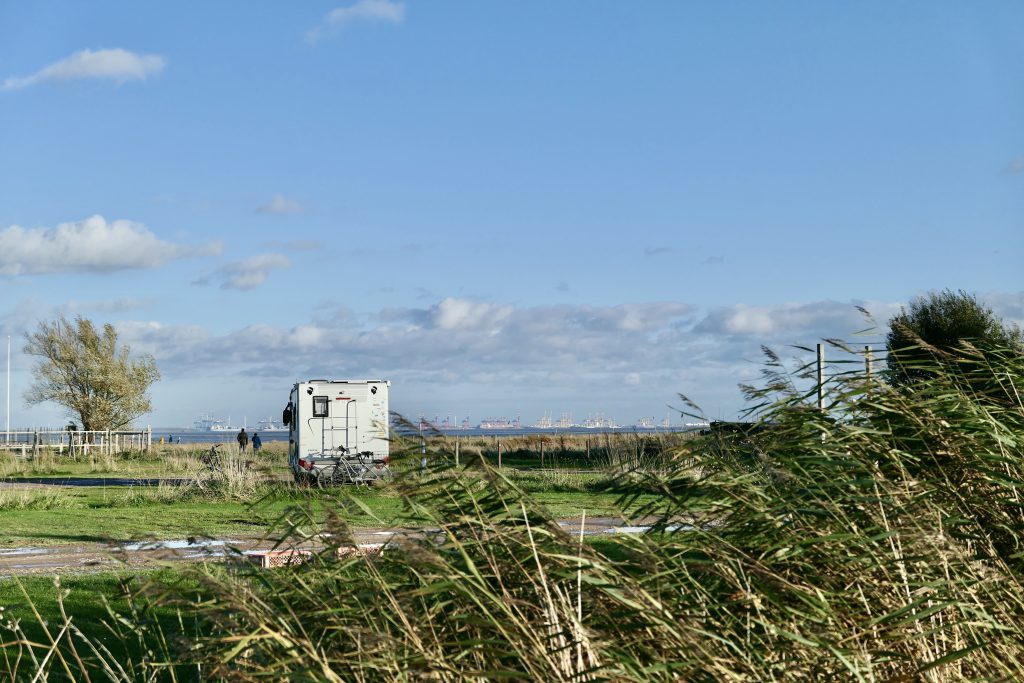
361 546
645 529
220 552
170 545
25 551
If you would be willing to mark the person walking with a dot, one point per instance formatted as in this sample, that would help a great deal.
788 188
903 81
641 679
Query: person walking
257 443
243 440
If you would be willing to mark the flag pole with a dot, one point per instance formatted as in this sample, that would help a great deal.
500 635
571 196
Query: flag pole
7 431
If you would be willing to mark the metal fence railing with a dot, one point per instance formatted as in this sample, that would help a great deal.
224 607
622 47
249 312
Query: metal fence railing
63 442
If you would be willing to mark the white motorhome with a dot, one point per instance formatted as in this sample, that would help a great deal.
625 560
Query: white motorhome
338 431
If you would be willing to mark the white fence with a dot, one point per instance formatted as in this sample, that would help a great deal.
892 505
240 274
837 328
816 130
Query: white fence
63 442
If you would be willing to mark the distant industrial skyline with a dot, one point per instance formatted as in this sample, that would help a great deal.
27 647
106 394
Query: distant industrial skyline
503 208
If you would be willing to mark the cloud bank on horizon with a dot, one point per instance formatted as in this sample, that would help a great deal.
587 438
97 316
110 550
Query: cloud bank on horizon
518 352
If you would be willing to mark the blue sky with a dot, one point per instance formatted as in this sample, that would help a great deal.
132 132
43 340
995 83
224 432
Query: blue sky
505 208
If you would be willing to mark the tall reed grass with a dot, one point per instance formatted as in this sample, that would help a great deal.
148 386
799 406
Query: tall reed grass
879 539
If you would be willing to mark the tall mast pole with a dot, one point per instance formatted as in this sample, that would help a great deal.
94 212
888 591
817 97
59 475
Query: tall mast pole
7 431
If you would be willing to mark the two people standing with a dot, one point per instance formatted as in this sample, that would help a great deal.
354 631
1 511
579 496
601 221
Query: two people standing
243 441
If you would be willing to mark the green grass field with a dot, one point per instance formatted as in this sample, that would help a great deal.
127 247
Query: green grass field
875 540
181 501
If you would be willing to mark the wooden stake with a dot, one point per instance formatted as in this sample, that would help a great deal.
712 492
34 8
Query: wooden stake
821 377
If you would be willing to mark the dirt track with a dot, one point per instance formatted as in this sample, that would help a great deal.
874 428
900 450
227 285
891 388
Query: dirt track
96 557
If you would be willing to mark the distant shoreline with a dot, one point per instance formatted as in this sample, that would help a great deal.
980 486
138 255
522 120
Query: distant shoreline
228 435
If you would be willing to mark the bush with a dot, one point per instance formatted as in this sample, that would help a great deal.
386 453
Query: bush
945 329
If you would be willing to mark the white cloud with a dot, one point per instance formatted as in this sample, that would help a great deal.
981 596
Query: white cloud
1007 305
247 274
483 358
375 10
116 64
460 314
122 305
478 337
797 322
90 245
280 205
630 318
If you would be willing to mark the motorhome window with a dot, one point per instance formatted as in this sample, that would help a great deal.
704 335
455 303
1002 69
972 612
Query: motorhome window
320 404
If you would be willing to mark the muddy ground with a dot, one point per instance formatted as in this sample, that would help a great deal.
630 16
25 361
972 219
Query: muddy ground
114 555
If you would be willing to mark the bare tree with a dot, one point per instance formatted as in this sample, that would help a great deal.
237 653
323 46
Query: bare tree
83 370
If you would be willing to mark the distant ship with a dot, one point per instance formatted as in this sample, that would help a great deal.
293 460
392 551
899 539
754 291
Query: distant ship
545 422
599 422
269 425
208 423
499 423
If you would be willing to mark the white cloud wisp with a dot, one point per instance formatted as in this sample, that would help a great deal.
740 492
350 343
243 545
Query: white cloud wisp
247 274
116 64
374 10
281 206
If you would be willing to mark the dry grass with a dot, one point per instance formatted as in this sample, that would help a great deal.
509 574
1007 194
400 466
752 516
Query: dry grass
37 499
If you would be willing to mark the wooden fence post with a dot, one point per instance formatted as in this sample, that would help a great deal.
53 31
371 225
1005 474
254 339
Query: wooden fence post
542 452
821 377
423 452
497 440
456 450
